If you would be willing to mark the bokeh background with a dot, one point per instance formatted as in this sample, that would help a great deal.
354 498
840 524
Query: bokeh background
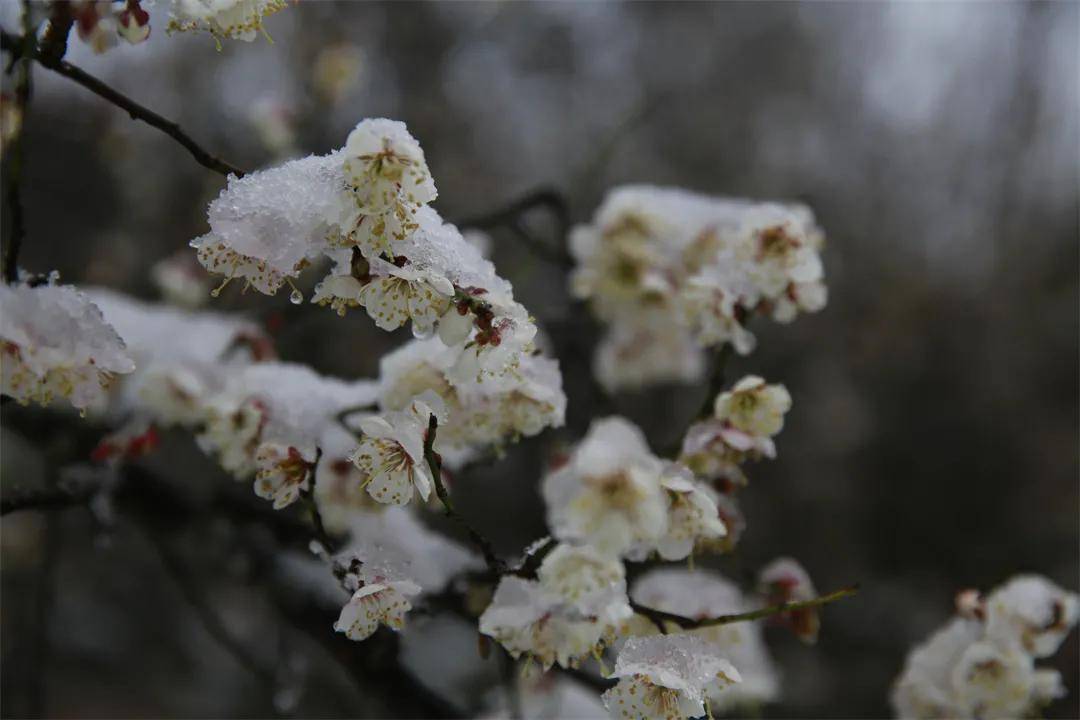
933 440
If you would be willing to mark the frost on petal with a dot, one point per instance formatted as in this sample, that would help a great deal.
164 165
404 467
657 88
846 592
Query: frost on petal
238 19
569 613
666 676
56 343
702 594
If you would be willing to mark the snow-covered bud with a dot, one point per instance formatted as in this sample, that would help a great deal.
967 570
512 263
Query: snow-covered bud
54 342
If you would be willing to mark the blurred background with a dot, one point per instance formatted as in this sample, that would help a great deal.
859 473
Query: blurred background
933 441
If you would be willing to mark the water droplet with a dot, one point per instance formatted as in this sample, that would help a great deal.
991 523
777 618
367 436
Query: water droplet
296 297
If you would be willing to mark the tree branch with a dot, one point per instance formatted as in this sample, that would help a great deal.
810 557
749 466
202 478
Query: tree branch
434 463
14 157
133 109
47 498
658 617
511 216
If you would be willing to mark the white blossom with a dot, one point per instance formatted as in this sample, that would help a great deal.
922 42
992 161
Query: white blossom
374 604
982 664
391 451
404 294
666 676
239 19
268 420
608 493
55 343
648 351
692 514
704 594
569 613
1031 612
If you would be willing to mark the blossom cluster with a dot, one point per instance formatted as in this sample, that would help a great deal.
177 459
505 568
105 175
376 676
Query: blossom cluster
982 662
671 272
365 208
56 344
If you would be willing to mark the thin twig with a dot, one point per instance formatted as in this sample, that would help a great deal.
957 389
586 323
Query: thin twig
658 617
47 498
434 463
213 624
511 216
133 109
14 170
716 381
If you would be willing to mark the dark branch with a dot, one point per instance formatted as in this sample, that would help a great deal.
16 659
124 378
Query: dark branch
47 499
14 171
512 216
659 617
434 463
716 382
133 109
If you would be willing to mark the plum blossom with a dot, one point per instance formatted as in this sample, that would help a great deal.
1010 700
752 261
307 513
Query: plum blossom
784 580
571 610
236 19
661 256
693 516
982 662
608 493
404 294
1031 612
390 180
666 676
703 594
54 342
267 421
374 604
490 412
391 451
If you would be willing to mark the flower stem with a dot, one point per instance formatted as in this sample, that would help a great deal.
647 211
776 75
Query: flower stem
658 617
434 462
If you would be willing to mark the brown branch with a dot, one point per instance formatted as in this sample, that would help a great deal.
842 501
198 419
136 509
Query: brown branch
14 157
434 463
659 617
133 109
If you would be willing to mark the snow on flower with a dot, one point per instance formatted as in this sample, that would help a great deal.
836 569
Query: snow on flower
666 676
784 580
365 209
268 420
703 594
237 19
55 343
182 357
608 493
703 264
571 610
390 180
391 451
490 412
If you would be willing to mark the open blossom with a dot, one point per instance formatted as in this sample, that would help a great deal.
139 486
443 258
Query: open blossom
268 419
742 427
693 517
404 294
391 451
55 343
390 180
703 264
239 19
568 613
1031 612
608 493
784 580
376 604
982 663
493 411
666 676
700 594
